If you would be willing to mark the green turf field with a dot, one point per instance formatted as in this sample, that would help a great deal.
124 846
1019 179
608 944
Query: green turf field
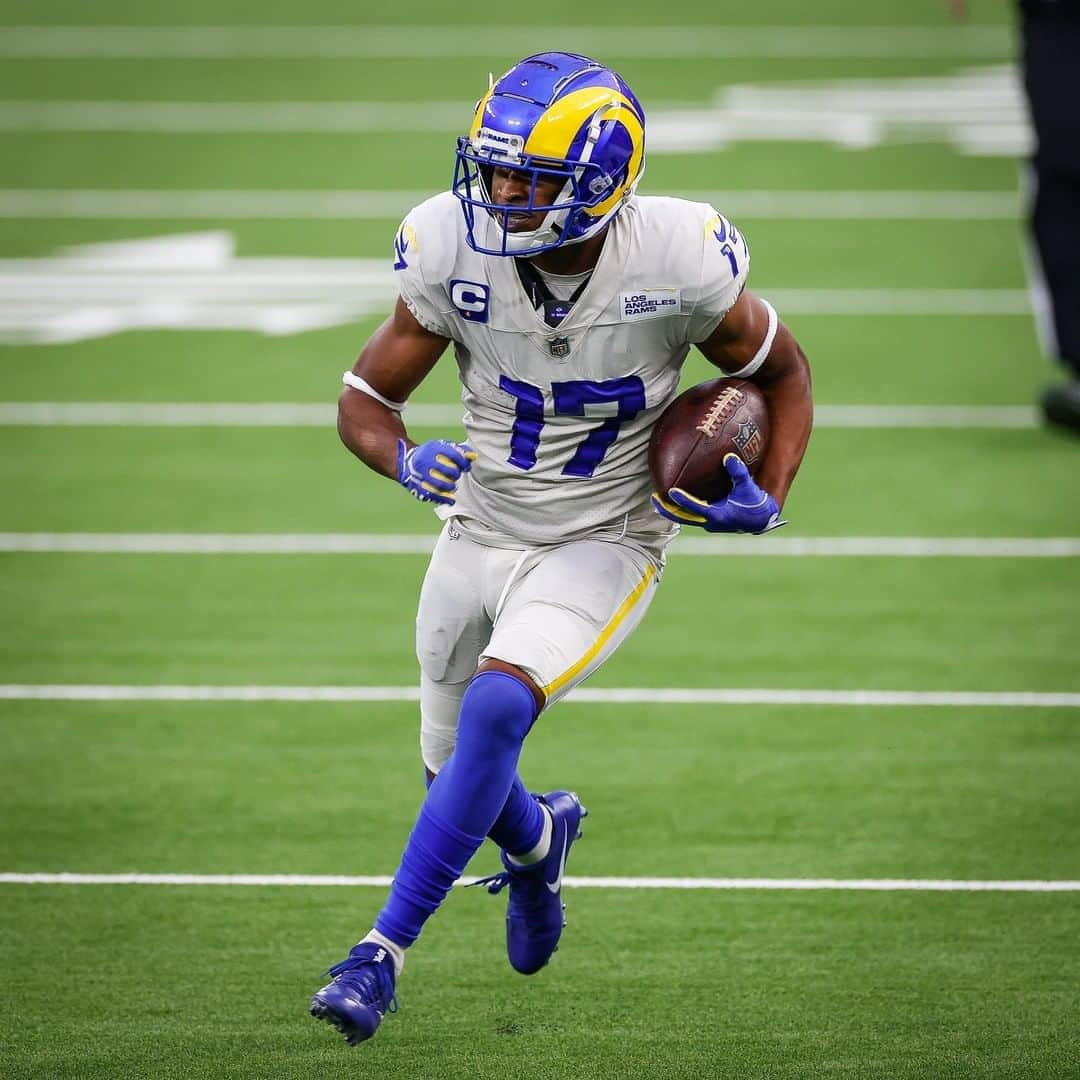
213 980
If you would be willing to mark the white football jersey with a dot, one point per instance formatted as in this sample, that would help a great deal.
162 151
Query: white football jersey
560 417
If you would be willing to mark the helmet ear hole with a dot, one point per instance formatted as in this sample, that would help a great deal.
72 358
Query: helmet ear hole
600 149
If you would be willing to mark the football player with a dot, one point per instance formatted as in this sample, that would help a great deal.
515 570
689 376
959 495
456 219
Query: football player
571 304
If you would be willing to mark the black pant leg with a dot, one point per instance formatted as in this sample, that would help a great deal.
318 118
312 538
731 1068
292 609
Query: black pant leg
1051 49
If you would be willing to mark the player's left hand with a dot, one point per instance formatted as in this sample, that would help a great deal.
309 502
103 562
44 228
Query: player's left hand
746 508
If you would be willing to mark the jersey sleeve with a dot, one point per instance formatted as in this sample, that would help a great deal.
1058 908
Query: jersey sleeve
426 302
725 264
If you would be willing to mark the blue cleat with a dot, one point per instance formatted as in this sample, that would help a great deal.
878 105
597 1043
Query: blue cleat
361 992
534 912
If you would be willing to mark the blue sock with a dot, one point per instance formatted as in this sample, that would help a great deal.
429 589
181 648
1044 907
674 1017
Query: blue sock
463 802
520 823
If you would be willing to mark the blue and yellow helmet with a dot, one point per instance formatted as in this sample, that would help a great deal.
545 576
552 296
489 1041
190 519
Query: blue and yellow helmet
558 116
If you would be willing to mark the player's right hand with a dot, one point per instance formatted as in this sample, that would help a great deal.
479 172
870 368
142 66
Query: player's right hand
431 470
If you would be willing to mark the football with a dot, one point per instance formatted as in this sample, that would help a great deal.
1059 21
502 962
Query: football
700 428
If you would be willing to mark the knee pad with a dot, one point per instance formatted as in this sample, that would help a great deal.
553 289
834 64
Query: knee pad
440 705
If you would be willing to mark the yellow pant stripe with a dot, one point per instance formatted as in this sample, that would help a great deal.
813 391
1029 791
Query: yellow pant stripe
616 620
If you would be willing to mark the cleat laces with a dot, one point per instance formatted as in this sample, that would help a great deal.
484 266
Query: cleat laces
527 891
495 884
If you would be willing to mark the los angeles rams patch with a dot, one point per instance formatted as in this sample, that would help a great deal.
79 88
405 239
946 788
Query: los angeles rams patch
650 304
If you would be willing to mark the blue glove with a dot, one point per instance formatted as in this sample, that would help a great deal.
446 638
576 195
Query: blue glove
746 509
431 470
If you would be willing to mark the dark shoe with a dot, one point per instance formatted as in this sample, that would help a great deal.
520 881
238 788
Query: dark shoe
534 912
1061 405
361 993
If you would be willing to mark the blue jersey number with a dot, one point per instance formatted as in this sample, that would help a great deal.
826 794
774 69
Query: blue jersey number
627 395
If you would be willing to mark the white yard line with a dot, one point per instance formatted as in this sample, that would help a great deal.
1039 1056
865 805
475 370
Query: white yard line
388 205
219 543
928 416
583 695
501 44
223 117
976 111
918 302
296 414
677 128
774 546
683 883
197 280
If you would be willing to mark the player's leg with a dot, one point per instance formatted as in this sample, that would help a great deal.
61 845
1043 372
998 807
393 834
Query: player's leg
1052 81
455 629
518 828
467 795
444 657
1056 228
576 604
562 618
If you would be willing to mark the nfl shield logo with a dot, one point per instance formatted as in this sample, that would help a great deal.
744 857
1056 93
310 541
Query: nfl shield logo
748 441
559 347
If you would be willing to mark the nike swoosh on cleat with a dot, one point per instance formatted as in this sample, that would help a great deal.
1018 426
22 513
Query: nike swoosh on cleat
556 885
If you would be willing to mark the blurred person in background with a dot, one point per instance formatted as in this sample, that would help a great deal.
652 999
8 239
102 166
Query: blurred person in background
1050 55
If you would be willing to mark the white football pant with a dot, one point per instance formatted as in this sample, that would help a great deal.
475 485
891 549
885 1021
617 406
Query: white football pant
556 612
